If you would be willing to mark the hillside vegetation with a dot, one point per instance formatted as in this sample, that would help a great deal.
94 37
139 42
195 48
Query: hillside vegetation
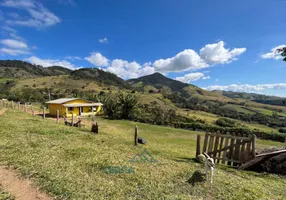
161 100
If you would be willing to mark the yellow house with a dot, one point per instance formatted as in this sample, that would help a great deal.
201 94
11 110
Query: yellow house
77 106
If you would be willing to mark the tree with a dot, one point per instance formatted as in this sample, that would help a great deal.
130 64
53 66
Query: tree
282 52
127 103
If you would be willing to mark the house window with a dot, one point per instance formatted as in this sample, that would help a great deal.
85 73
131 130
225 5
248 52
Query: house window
70 108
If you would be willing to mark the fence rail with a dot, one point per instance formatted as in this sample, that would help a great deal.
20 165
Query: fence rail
231 149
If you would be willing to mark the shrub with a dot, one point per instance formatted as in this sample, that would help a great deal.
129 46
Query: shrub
224 122
282 130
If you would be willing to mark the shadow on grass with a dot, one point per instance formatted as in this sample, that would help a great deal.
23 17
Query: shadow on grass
187 160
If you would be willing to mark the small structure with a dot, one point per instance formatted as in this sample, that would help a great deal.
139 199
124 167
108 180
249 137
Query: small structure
75 106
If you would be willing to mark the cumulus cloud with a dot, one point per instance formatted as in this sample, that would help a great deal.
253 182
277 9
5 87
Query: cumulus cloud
185 60
217 54
189 60
104 40
187 78
247 87
16 44
97 59
273 53
38 15
126 69
50 62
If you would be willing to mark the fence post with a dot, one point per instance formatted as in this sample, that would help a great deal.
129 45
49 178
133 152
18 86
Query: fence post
136 135
58 115
253 145
18 106
92 119
12 104
44 113
25 107
94 128
72 119
198 150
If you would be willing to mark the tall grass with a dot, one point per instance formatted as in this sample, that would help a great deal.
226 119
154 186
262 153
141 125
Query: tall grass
68 162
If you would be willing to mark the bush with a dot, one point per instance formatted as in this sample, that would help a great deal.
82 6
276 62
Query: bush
282 130
224 122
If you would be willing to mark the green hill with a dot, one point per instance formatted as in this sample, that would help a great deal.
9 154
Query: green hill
99 76
260 98
158 81
22 69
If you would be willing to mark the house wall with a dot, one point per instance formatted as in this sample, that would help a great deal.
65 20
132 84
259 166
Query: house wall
62 110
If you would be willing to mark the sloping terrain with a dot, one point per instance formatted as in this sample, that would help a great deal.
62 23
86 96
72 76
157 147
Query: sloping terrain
69 163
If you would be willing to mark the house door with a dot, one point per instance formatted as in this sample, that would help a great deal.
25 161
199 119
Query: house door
80 110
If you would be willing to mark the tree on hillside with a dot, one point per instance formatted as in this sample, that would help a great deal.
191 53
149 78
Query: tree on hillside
282 52
127 103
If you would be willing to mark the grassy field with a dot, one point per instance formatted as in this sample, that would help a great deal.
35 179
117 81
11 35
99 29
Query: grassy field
238 108
68 162
4 195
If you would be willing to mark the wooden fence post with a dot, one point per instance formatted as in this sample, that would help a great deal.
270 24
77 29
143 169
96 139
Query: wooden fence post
18 106
253 145
12 104
94 128
72 119
44 113
198 150
136 136
58 115
92 119
25 107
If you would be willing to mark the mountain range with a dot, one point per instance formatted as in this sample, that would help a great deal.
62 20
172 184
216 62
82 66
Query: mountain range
21 70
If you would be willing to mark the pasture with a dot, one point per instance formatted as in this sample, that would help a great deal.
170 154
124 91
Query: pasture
69 163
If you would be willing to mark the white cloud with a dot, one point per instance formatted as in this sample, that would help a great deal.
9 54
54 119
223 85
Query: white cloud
50 62
68 2
187 78
189 60
97 59
104 40
9 29
15 44
38 17
72 58
18 3
273 53
185 60
14 52
217 54
247 87
127 70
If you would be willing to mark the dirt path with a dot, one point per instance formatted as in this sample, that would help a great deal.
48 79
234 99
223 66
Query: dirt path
21 189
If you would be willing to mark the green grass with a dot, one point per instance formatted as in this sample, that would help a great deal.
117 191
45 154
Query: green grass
68 162
2 80
238 108
268 112
4 195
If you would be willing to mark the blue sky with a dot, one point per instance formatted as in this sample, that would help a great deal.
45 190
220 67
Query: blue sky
212 44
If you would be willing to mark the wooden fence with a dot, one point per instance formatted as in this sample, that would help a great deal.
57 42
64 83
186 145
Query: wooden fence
231 149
